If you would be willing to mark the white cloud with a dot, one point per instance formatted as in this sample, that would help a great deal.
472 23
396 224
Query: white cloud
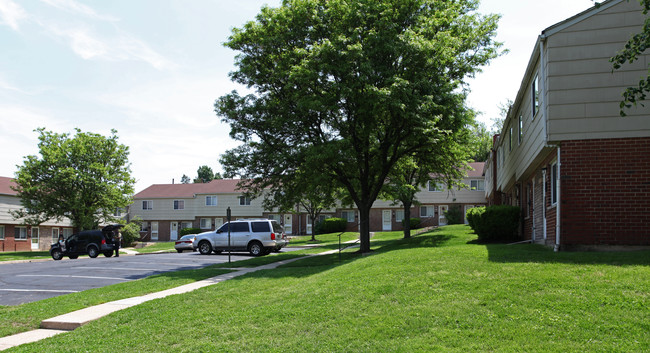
77 8
11 14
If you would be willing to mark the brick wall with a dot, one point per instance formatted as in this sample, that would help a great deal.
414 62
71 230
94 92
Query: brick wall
605 192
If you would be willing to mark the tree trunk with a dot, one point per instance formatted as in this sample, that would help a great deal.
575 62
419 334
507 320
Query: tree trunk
407 220
313 226
364 228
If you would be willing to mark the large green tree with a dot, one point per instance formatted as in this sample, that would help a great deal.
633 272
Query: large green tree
84 177
349 88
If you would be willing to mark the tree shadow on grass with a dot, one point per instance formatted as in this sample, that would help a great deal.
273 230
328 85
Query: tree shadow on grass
534 253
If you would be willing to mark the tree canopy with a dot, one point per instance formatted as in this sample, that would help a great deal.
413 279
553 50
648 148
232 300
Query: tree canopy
348 88
84 177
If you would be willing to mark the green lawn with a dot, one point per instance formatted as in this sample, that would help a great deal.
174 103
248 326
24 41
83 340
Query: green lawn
437 292
24 255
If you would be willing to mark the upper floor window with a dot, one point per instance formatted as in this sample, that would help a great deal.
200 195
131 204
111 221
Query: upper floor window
477 185
521 128
211 200
147 205
535 95
244 201
435 187
510 140
179 204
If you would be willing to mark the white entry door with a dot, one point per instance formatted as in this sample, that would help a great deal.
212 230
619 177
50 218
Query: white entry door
309 225
35 238
173 233
442 219
386 221
288 223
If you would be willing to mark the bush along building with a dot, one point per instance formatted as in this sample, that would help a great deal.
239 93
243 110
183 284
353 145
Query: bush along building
165 209
15 235
578 170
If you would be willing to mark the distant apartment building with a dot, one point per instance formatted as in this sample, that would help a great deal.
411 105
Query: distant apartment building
17 236
167 208
579 171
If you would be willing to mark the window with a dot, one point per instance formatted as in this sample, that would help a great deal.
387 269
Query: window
144 226
244 201
426 211
275 217
186 225
118 212
554 180
20 233
179 204
67 232
147 205
435 187
510 140
55 235
349 215
206 223
477 185
399 215
535 97
260 227
2 232
211 200
521 128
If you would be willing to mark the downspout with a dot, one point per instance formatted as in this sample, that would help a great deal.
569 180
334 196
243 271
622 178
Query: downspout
559 199
544 201
532 209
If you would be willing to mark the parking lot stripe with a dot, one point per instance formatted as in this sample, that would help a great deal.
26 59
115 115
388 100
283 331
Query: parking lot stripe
72 276
38 290
121 269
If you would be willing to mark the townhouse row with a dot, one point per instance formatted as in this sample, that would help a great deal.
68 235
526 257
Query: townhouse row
167 208
579 171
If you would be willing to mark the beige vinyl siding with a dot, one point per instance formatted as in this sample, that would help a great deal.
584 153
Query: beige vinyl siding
163 208
10 203
583 92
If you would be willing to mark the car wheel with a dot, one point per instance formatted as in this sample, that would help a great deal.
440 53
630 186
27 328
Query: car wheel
57 254
179 251
205 248
256 248
108 253
73 256
92 251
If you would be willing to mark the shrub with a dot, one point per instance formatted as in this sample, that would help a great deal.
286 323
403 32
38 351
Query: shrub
495 223
186 231
415 223
331 225
454 215
131 232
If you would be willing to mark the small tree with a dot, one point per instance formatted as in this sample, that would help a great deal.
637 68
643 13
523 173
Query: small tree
205 174
84 178
185 179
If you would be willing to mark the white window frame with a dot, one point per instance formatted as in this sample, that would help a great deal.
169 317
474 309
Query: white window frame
67 232
147 205
2 232
348 215
55 235
205 223
22 237
554 183
154 230
184 225
427 211
244 201
211 200
475 185
434 187
521 129
535 96
399 215
179 205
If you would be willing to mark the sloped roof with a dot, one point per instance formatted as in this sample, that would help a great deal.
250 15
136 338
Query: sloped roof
221 186
477 171
5 186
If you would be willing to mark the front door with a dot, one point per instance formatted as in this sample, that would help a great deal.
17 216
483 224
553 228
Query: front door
442 219
35 238
173 234
288 222
386 220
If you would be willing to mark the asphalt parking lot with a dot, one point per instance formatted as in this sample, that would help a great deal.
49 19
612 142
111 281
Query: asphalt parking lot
26 282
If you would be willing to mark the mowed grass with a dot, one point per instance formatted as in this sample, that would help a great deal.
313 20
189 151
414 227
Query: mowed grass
437 292
24 255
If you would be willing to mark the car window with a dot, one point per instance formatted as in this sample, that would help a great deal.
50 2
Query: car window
277 227
240 227
260 227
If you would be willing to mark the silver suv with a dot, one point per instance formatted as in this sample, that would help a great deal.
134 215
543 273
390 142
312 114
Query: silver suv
257 236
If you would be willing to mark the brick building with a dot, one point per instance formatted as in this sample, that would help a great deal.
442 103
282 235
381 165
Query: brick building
579 171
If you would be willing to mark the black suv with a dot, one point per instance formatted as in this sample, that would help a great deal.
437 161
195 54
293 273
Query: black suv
87 242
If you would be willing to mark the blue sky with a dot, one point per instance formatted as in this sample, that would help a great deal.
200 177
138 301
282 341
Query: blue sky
152 69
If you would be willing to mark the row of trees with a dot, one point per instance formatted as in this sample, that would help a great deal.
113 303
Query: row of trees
204 175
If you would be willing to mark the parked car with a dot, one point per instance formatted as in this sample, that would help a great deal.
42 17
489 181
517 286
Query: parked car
87 242
185 243
257 236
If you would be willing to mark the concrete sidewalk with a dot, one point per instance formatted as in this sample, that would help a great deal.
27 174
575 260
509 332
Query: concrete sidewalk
67 322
